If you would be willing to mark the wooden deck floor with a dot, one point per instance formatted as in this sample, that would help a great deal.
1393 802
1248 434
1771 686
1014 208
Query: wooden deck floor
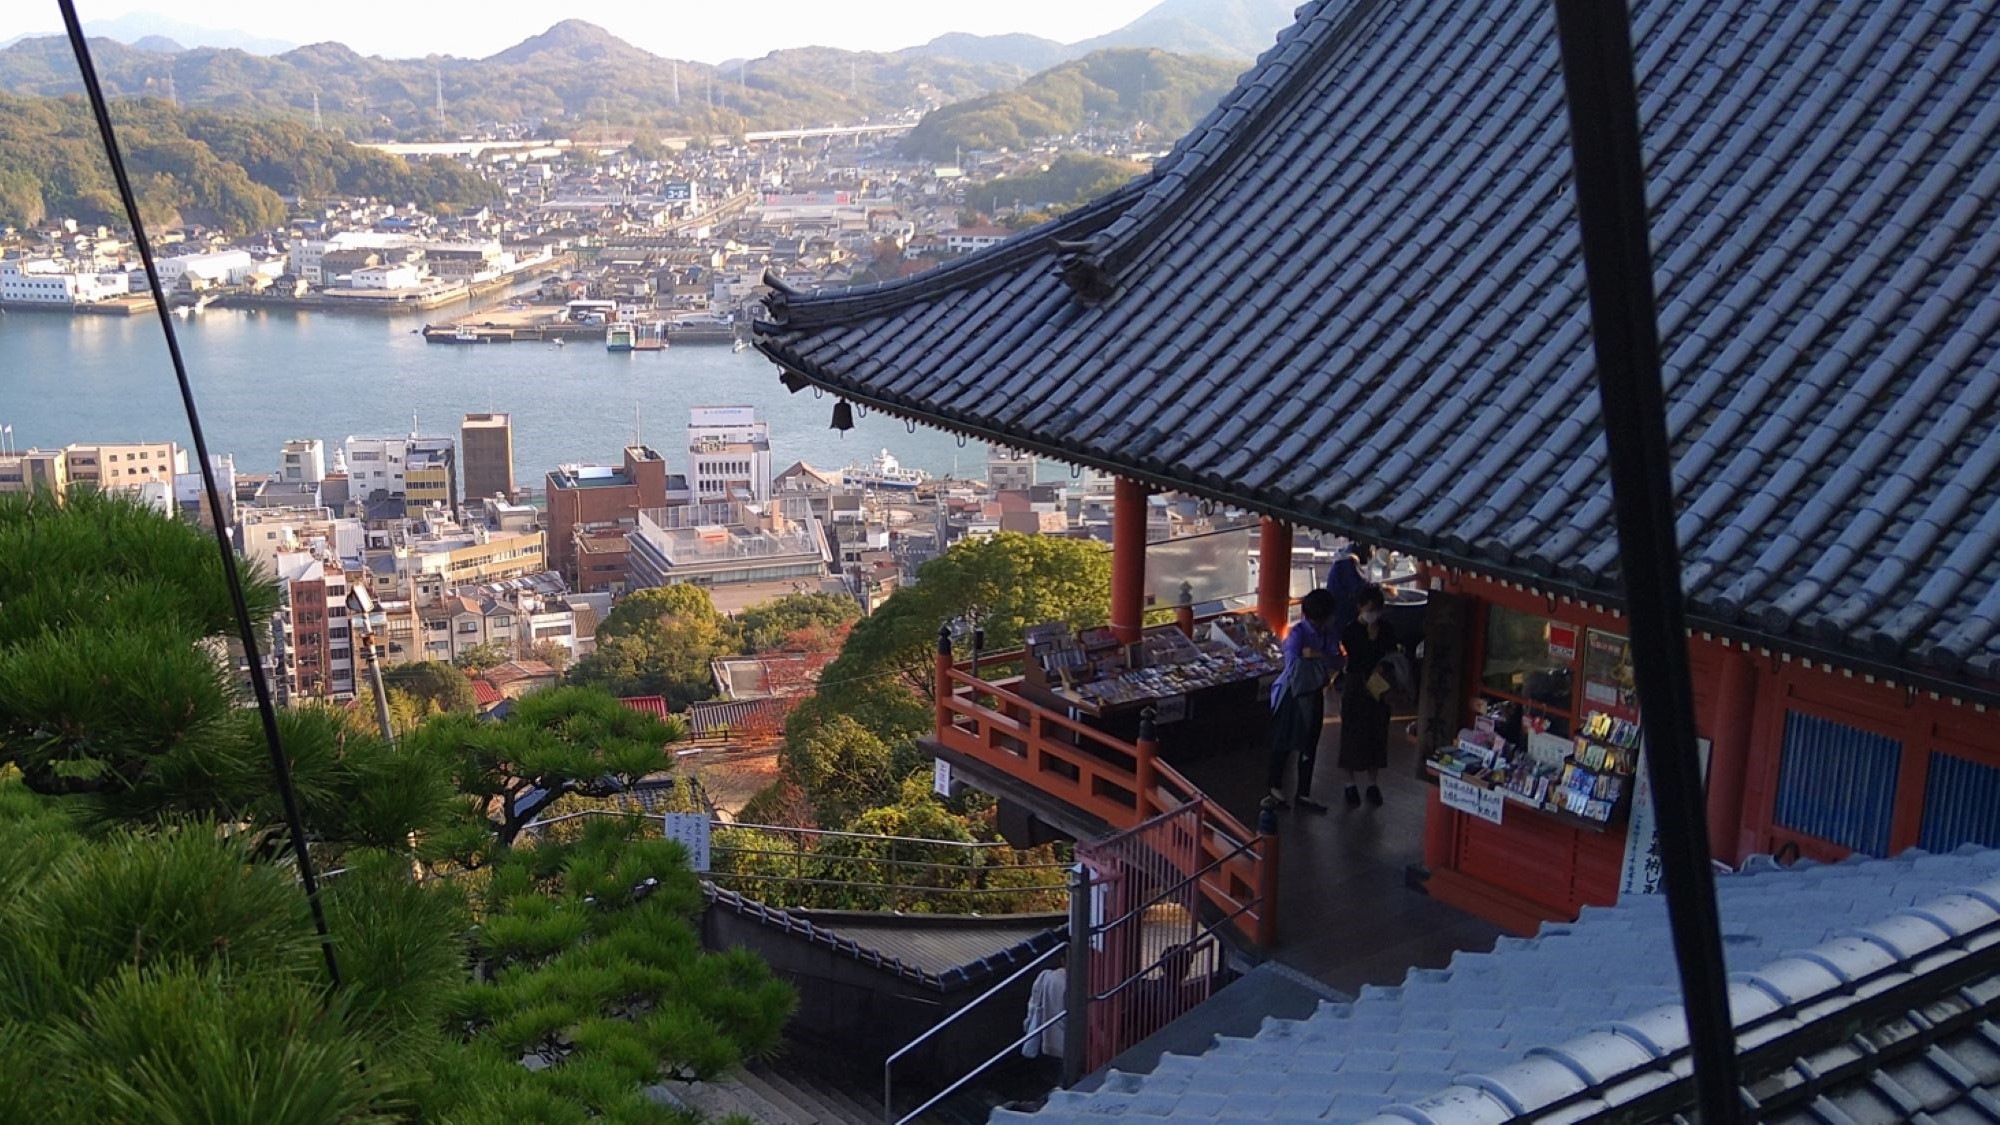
1346 913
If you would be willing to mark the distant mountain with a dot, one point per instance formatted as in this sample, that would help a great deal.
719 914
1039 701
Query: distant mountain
159 43
572 41
135 28
1029 52
573 77
1231 29
197 166
1115 89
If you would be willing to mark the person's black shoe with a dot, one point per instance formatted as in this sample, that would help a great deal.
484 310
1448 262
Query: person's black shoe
1353 797
1375 795
1278 803
1312 806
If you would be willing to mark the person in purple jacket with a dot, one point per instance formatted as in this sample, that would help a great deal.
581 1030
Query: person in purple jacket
1298 700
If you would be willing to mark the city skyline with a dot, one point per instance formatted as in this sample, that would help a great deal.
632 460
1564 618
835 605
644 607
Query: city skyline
376 27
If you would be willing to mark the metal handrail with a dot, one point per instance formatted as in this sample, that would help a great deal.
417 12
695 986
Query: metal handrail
888 1064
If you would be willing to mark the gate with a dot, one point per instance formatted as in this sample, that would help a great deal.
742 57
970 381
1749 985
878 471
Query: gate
1151 958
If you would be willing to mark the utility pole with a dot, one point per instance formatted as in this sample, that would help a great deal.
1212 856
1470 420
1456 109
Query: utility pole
438 75
677 82
316 122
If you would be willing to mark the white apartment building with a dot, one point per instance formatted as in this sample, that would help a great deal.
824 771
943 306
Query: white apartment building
221 267
402 275
729 455
302 461
382 464
44 281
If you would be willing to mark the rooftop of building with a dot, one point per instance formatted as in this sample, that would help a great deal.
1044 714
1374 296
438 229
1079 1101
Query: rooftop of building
1585 1017
1353 298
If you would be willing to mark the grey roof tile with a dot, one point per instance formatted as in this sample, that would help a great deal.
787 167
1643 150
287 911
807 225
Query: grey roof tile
1353 297
1349 1061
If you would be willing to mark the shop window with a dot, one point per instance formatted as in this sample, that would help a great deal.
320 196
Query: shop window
1837 783
1525 659
1960 802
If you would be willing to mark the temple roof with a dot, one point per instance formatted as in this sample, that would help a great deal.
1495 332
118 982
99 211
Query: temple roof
1353 298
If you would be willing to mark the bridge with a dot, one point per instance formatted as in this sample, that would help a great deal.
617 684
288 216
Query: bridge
827 132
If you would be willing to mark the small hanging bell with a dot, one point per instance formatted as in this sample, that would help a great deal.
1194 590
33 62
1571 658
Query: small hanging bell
843 416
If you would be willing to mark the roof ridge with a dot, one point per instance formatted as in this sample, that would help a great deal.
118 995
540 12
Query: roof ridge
792 308
1215 142
1766 1003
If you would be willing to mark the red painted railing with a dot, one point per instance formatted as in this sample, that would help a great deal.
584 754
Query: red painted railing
1121 783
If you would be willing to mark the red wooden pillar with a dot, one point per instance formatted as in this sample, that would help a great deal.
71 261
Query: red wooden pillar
1274 574
1128 559
1438 825
1729 753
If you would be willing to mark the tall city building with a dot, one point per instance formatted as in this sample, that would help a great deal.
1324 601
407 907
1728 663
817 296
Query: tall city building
487 441
302 461
729 454
35 470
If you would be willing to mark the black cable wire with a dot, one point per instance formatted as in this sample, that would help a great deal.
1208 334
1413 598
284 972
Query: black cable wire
246 629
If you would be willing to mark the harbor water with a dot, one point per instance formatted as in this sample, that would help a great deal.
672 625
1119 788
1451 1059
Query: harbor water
263 376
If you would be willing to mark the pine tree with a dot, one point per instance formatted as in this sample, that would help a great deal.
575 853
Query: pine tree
158 961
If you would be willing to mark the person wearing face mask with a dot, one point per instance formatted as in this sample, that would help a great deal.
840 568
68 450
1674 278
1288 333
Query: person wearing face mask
1364 707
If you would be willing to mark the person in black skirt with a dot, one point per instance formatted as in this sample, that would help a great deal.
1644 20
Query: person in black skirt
1364 712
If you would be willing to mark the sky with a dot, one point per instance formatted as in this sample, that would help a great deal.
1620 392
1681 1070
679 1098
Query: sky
705 31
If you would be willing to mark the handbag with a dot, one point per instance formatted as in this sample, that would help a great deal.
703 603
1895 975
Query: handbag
1378 685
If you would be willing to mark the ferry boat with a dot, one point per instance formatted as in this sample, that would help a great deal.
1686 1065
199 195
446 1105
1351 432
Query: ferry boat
885 473
618 337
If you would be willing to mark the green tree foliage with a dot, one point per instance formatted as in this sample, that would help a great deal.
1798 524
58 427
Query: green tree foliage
436 684
1111 89
658 642
554 742
1070 179
157 959
191 165
883 676
796 621
478 658
841 767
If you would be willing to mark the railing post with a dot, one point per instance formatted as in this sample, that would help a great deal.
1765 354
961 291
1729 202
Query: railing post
1267 879
943 689
1076 980
1148 746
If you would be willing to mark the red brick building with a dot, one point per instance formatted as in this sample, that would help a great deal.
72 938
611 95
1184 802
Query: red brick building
585 498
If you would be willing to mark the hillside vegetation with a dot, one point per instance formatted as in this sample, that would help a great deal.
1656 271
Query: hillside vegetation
192 165
1107 89
573 78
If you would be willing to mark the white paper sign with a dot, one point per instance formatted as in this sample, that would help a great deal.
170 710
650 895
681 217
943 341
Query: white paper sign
1643 871
690 830
1458 793
941 782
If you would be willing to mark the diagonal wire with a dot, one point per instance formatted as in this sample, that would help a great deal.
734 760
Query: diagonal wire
246 629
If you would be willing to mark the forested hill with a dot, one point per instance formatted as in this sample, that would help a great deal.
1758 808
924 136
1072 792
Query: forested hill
192 165
1106 89
571 78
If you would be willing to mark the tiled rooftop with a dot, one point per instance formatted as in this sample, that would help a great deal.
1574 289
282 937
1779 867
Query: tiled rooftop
1486 1011
1354 298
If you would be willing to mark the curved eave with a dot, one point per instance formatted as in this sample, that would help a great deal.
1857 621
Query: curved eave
1592 590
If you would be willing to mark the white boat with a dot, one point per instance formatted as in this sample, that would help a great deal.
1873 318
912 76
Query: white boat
618 337
885 473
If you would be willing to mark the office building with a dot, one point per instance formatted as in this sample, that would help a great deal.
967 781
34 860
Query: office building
1009 470
729 455
582 498
420 470
487 441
